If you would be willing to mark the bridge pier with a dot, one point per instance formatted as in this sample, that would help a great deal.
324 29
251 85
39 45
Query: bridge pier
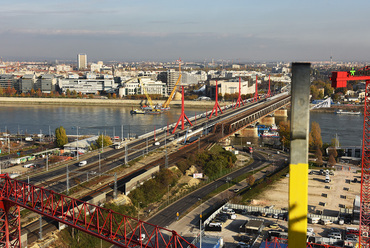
248 132
281 113
268 120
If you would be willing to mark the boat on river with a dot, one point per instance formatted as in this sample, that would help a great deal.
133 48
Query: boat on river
137 111
341 112
269 134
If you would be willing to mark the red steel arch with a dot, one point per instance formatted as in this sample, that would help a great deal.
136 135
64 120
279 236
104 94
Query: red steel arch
118 229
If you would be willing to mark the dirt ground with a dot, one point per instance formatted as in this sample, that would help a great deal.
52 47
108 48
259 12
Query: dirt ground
340 194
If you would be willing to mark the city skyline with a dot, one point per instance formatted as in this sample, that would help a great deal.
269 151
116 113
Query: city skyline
195 31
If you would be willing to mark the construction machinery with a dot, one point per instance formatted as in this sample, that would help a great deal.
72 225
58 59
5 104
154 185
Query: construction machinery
149 109
166 105
339 79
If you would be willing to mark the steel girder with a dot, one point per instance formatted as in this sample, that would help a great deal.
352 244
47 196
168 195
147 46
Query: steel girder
118 229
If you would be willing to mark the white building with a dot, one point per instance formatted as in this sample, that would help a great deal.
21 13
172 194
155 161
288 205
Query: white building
231 86
151 86
81 61
90 85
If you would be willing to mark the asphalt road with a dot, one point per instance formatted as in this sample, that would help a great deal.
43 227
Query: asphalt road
168 215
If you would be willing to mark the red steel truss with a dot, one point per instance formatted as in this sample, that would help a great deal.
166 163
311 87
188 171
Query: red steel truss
269 91
118 229
255 98
240 100
10 224
283 243
183 115
217 106
339 79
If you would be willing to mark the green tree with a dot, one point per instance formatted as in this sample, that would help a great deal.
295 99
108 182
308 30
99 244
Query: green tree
314 92
104 140
315 140
328 90
61 137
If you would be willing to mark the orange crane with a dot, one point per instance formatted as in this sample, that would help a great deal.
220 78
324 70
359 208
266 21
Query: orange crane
166 105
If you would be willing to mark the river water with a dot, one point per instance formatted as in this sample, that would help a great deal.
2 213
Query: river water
96 119
89 119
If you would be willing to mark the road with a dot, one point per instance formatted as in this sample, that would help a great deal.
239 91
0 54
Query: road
168 215
164 218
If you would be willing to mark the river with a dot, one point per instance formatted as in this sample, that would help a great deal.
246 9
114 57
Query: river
90 119
95 119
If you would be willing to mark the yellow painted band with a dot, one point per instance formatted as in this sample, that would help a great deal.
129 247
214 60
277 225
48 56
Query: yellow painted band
298 205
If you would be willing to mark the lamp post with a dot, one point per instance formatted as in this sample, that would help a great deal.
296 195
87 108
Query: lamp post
99 162
138 209
200 223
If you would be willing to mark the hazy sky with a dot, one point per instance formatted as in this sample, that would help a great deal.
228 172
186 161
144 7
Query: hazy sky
235 30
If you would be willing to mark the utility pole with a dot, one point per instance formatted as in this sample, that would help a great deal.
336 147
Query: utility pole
126 154
40 223
47 162
147 145
67 180
99 162
166 160
115 186
77 144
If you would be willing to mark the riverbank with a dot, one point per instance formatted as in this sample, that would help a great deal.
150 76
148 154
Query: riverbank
101 102
346 107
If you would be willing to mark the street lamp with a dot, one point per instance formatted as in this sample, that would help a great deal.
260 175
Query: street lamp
138 210
200 223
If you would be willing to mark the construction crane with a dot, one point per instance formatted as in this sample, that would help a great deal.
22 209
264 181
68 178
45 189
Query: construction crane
339 79
152 108
166 105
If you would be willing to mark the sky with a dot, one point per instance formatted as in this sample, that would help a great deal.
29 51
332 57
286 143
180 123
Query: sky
202 30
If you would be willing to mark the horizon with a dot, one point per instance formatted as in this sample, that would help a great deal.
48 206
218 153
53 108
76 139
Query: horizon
239 30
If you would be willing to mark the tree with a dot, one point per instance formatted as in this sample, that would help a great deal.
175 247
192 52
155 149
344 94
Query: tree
332 151
250 180
61 137
332 161
104 140
318 155
284 133
315 140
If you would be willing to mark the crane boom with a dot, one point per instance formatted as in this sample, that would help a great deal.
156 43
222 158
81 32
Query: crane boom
153 109
167 103
339 79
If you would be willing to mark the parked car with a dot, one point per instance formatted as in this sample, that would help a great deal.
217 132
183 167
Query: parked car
274 226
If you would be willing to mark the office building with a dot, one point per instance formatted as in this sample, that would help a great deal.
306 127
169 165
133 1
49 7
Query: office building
81 61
